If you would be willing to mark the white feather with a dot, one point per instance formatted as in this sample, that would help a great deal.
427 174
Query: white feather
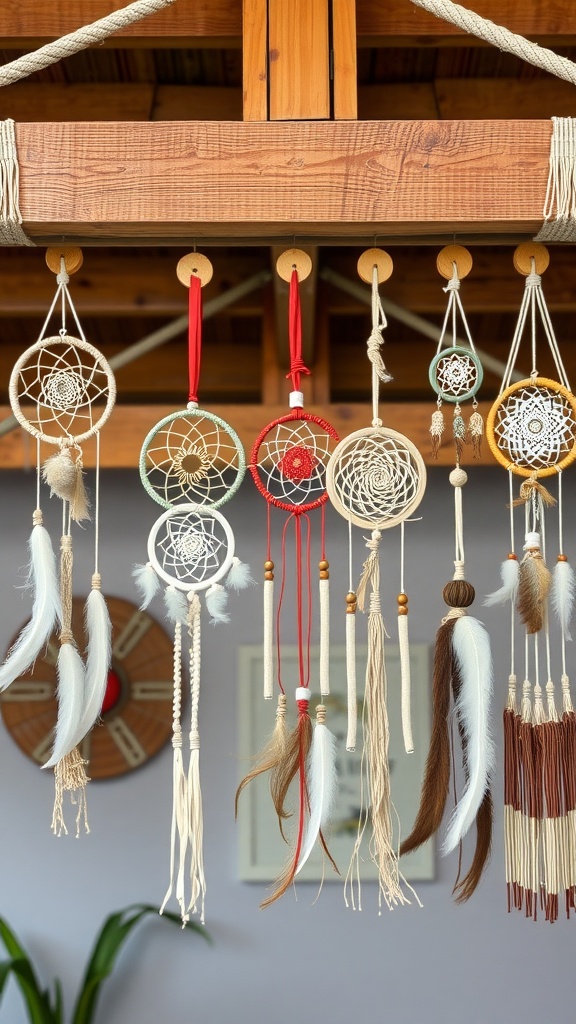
509 574
471 645
216 601
46 610
70 672
562 595
240 575
146 582
98 658
322 788
176 605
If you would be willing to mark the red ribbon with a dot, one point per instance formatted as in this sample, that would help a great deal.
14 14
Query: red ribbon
194 336
297 366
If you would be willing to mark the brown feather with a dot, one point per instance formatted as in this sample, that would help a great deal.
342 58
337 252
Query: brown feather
533 588
437 772
270 756
484 820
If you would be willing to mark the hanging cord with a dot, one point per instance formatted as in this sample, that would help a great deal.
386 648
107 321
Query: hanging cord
83 37
194 339
11 231
375 341
453 307
351 688
404 644
297 366
532 301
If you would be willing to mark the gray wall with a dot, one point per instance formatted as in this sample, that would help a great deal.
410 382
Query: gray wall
296 960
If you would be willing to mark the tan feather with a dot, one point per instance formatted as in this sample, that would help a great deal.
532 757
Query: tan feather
273 752
533 589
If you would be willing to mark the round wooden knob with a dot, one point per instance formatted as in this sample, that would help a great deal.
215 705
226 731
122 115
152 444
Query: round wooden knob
194 264
450 255
293 259
375 258
527 252
71 255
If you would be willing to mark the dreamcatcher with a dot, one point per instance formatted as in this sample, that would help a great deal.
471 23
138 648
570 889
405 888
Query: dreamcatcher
62 391
191 463
376 479
462 659
288 465
531 430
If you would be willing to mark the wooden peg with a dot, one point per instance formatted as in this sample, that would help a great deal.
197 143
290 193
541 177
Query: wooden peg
527 252
375 258
194 264
450 255
71 254
293 259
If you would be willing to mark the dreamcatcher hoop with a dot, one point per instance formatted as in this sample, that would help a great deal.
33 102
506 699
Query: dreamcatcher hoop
59 393
456 374
376 470
196 544
294 469
511 427
190 457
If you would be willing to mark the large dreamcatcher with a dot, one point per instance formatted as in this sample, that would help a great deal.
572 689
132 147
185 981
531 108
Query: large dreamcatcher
62 391
288 466
462 659
531 430
376 479
191 463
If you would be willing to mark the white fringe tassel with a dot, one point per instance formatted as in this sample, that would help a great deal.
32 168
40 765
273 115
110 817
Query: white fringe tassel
351 691
324 592
406 683
268 642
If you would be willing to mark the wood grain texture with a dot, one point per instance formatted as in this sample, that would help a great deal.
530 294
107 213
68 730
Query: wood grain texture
255 60
345 90
205 179
299 65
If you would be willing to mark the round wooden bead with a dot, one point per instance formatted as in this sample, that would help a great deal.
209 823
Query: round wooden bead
402 598
562 558
323 564
351 609
268 575
513 557
324 574
402 610
351 597
268 564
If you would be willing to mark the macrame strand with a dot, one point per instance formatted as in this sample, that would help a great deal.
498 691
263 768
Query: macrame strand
561 188
11 231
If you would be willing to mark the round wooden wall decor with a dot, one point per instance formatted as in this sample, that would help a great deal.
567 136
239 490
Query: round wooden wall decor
136 718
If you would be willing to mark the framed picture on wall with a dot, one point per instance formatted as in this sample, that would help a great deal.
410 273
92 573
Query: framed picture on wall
262 851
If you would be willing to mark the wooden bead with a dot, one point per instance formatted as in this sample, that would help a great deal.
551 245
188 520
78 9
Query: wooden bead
268 575
268 564
402 610
71 255
194 264
323 564
375 258
294 259
458 594
528 251
451 254
351 609
351 597
513 557
402 599
562 558
324 574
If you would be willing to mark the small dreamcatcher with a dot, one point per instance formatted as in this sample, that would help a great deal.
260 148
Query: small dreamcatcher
191 463
462 658
456 371
62 391
288 466
376 479
531 430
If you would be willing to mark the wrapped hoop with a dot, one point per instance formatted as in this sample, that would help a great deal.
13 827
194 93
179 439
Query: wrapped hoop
67 387
289 459
191 548
192 457
376 478
531 427
456 374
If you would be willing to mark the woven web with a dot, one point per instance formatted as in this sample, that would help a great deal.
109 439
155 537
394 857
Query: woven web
376 478
68 384
291 462
456 374
191 548
535 427
191 458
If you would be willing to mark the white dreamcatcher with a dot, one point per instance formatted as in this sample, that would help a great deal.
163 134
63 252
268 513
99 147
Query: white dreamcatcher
191 462
62 391
376 479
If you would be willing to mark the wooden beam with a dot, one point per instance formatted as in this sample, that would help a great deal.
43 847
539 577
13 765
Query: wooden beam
219 22
344 70
299 63
335 180
255 60
458 99
122 438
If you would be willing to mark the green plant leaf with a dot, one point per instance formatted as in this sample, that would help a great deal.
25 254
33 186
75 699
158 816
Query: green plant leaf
113 933
58 1003
37 1001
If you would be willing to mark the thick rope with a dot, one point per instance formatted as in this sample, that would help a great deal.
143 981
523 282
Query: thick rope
83 37
501 37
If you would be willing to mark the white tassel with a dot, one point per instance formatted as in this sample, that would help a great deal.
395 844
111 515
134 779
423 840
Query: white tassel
268 641
180 825
216 601
472 651
240 575
322 784
195 812
510 575
46 608
146 582
176 605
324 667
405 683
562 595
351 688
98 657
70 672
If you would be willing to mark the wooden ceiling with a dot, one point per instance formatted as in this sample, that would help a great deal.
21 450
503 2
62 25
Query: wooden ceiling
481 114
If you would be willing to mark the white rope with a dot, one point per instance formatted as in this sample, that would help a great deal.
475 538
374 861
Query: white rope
324 667
83 37
375 341
268 640
501 37
11 231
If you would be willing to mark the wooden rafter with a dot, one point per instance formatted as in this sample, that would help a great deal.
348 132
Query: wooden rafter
134 182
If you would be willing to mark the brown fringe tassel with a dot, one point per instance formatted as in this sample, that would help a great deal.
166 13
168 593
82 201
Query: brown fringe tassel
531 815
271 756
512 805
553 839
436 783
568 755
